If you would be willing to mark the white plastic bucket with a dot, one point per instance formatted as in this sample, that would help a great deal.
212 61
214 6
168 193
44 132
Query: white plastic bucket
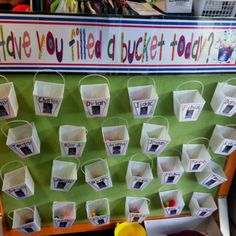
26 220
136 209
95 97
223 140
48 96
23 139
64 214
224 99
115 137
98 211
188 104
143 99
212 175
97 174
17 183
195 156
64 175
202 204
72 140
139 174
169 169
154 138
8 101
172 202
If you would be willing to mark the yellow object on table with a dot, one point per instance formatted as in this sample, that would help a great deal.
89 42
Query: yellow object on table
129 229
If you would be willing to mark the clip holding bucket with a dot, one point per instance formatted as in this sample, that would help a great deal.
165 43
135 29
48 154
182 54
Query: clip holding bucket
17 183
136 209
72 140
143 99
95 97
26 220
188 104
202 204
48 96
8 100
98 211
64 214
23 139
223 101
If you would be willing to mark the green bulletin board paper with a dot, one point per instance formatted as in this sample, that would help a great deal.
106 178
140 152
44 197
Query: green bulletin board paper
72 113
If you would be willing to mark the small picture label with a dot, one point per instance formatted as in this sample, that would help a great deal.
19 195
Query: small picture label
96 108
47 105
156 146
144 108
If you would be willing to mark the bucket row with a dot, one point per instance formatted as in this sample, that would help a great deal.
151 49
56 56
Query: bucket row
27 219
19 183
188 104
23 139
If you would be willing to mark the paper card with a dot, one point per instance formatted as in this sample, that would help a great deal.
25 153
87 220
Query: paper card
63 223
212 181
101 183
139 183
100 220
117 148
204 212
4 108
47 105
155 146
190 111
228 107
24 148
171 178
145 107
19 192
227 147
28 228
96 107
73 149
136 217
62 184
171 211
197 165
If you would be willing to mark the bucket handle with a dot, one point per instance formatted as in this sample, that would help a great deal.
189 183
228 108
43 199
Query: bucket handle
153 81
49 71
78 161
192 81
115 118
164 118
168 188
226 82
10 212
199 138
8 163
90 162
230 125
5 78
148 200
94 75
14 121
132 157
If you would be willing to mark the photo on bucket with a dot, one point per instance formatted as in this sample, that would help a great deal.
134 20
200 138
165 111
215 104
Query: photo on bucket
154 138
48 96
188 104
72 140
98 211
143 99
17 183
169 170
64 175
8 100
26 220
172 202
97 174
212 175
223 139
64 214
223 101
22 139
115 137
95 97
202 204
136 209
139 173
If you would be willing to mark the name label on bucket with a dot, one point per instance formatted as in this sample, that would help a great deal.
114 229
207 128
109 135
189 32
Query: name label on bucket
171 211
191 111
62 184
171 178
196 165
136 217
203 212
27 229
101 183
19 192
227 147
213 181
4 108
228 107
24 148
144 108
73 149
96 107
116 148
100 220
156 146
139 183
48 105
63 223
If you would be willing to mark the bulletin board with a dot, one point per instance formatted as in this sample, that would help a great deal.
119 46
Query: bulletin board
72 113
